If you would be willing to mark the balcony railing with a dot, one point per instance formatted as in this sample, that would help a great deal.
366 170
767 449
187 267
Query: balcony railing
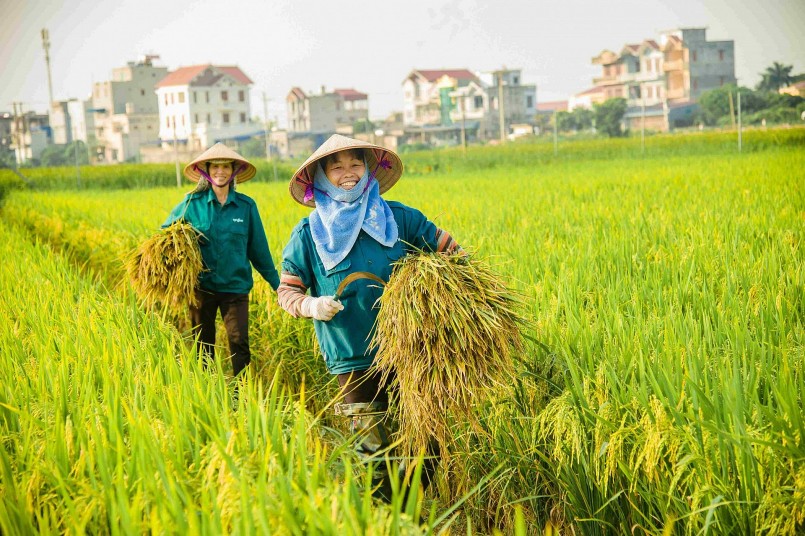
678 93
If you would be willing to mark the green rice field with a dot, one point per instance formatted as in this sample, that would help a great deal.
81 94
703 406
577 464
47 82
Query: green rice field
660 391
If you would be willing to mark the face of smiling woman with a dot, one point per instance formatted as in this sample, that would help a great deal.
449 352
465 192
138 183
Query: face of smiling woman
344 169
220 173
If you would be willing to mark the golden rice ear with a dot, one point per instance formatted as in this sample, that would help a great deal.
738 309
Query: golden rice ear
164 269
448 327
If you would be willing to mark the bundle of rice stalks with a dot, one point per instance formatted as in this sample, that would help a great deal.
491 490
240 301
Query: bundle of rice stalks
447 328
164 269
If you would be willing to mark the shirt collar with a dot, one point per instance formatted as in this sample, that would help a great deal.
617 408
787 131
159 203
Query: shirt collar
230 197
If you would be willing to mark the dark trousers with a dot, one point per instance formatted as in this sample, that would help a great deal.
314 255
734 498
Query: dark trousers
235 313
366 401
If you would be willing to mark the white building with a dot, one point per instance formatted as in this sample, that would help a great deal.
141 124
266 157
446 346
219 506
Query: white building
202 104
449 97
335 111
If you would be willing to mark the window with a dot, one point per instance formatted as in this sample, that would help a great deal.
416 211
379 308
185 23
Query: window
693 56
224 96
695 84
529 101
181 97
195 97
242 117
182 119
208 119
166 99
479 102
172 99
515 81
720 80
207 96
195 118
720 55
225 118
142 92
167 122
241 96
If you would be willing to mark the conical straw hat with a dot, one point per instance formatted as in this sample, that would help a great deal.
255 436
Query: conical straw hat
384 163
219 151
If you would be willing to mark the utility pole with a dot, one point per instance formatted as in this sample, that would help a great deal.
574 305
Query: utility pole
17 153
740 134
46 46
75 154
265 124
501 112
642 120
555 134
176 155
463 129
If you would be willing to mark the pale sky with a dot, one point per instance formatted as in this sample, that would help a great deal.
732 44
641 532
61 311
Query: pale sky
369 45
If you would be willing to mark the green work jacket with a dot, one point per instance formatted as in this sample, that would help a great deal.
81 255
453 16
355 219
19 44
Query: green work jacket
234 240
344 340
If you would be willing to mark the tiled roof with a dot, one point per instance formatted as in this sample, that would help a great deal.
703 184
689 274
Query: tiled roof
592 90
552 106
297 93
350 94
458 74
184 76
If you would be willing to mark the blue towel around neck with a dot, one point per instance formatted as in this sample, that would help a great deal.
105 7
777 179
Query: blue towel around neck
340 215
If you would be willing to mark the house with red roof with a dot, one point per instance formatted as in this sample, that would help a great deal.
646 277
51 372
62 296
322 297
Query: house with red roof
203 104
326 112
446 105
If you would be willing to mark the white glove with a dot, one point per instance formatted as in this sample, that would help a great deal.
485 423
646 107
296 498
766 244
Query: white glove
322 308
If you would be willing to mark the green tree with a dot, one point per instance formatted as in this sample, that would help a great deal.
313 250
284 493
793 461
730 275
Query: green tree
583 118
714 105
775 77
254 148
363 126
609 116
564 121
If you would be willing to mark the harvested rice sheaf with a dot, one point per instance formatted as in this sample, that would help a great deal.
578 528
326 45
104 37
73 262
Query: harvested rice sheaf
164 269
447 328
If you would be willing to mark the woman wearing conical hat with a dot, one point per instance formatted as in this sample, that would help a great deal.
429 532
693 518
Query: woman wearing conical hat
233 241
352 229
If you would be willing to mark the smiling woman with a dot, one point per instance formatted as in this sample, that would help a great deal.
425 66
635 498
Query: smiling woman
232 241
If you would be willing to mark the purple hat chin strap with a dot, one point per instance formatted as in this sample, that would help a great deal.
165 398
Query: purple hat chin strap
231 177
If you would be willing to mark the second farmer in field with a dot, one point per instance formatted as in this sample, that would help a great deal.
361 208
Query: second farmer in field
233 241
352 229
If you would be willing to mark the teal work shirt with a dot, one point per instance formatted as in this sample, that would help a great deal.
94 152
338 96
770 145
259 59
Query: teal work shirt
234 240
344 340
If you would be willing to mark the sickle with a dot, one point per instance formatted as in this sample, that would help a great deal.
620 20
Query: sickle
354 276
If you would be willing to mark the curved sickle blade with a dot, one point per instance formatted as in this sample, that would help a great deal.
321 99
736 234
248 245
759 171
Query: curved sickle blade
354 276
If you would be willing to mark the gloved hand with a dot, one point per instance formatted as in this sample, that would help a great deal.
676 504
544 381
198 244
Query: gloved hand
322 308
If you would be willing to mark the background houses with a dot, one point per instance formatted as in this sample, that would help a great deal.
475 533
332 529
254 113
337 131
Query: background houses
125 113
662 80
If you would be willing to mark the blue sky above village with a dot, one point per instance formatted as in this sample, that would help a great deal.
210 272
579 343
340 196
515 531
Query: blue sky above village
370 46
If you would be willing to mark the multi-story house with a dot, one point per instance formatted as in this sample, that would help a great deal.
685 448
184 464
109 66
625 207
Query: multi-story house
202 104
72 120
326 112
125 111
29 134
441 103
656 78
426 95
693 65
